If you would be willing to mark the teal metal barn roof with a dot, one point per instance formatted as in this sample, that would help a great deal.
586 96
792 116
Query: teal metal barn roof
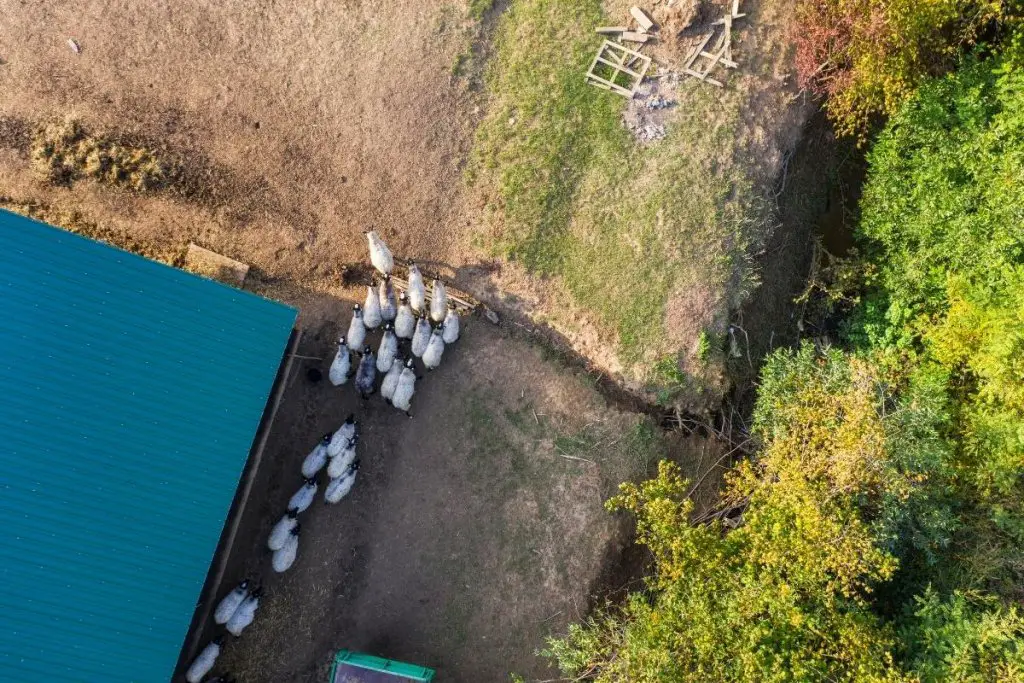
131 393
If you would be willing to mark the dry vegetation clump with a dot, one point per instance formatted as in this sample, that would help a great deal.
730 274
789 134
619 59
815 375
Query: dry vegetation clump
64 151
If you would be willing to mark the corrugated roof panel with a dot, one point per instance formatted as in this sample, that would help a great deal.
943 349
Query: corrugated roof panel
131 393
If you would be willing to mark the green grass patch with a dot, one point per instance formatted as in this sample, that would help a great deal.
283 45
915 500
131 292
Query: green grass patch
568 193
703 346
478 8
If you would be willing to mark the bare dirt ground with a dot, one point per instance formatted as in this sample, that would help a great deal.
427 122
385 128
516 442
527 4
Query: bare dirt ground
298 126
474 530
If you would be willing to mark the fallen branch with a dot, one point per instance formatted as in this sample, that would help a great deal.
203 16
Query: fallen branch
551 617
573 457
724 512
713 466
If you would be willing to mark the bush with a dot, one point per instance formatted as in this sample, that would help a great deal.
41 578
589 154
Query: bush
868 56
963 639
944 192
785 595
942 213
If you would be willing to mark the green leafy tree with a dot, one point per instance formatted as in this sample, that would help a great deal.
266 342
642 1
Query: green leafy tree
963 639
786 595
944 195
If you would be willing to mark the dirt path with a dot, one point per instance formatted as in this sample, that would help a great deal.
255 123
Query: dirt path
469 536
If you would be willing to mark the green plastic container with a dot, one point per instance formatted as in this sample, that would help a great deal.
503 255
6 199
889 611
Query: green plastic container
353 667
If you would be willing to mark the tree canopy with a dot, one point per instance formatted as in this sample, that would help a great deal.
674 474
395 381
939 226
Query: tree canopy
882 532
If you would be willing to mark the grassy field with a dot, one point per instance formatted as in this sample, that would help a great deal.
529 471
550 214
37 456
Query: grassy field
621 228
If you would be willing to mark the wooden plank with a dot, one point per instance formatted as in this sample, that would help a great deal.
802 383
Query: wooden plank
634 59
647 65
215 266
719 44
696 51
723 61
703 77
728 37
635 37
608 85
618 55
735 8
611 29
621 67
641 18
711 65
619 47
593 64
465 303
614 50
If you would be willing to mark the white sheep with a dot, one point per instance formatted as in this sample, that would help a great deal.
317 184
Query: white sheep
317 458
438 302
371 310
450 326
417 290
386 296
303 498
390 381
405 389
227 606
388 349
341 365
356 329
344 434
421 337
340 463
205 661
434 351
284 556
380 255
279 534
340 487
245 614
405 319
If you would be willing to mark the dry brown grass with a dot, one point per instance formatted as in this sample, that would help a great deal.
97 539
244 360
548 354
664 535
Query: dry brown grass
63 152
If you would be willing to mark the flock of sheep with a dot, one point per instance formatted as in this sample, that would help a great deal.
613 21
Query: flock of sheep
405 319
408 318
